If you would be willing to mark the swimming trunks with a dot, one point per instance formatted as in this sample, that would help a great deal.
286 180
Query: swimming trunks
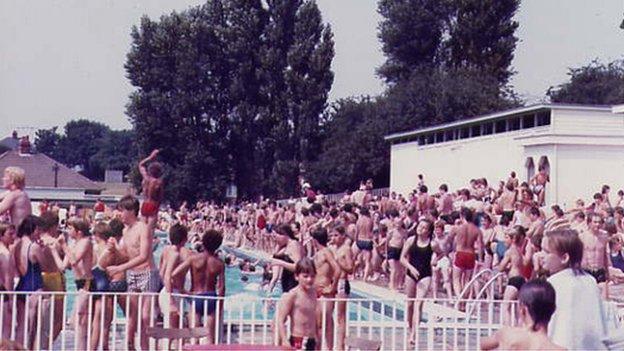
394 253
201 301
465 260
32 280
100 279
53 281
599 274
517 282
366 245
149 208
302 343
118 286
84 284
344 287
288 278
420 258
143 281
501 248
269 228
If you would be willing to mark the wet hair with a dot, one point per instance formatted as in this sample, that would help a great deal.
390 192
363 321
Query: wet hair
80 225
285 229
212 240
536 240
517 234
539 297
116 228
178 234
100 229
320 235
49 220
567 241
444 187
28 226
316 208
17 176
129 203
305 265
155 169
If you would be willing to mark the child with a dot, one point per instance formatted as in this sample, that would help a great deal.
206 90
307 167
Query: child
173 255
207 280
152 189
537 304
300 305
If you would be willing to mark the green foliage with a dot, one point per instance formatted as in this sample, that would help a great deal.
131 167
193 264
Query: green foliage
90 145
231 91
595 84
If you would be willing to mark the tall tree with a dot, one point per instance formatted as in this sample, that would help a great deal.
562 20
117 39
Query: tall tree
595 83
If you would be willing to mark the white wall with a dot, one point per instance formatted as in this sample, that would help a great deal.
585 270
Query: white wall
456 162
584 122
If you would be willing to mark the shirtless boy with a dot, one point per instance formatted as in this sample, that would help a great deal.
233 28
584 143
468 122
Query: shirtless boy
207 281
7 269
15 200
537 304
442 246
363 247
152 189
513 263
326 283
173 255
141 273
596 260
538 183
299 305
342 251
465 235
396 238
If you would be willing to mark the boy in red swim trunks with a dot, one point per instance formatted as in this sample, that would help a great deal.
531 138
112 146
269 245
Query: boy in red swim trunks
152 189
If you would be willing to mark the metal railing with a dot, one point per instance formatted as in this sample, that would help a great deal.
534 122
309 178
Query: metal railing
45 320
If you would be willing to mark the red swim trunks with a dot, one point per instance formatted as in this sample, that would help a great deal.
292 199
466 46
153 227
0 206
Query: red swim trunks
149 208
465 260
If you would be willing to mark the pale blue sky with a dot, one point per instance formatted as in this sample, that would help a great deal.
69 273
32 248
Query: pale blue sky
63 59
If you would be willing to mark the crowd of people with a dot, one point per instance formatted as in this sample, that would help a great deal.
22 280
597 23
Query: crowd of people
429 243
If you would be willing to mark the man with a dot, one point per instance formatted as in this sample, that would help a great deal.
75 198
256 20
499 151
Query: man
466 235
363 247
326 282
342 251
596 259
425 202
539 185
537 224
507 201
445 205
15 201
141 273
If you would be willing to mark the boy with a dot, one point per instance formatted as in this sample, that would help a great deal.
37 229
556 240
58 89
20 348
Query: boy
152 189
207 280
173 255
15 200
300 305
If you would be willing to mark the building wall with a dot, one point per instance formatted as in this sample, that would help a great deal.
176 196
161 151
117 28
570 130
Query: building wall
584 169
584 122
455 163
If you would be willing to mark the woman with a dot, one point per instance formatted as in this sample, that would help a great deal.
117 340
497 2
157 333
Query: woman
416 258
579 321
289 252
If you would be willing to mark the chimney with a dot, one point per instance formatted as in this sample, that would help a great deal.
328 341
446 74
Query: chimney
24 146
14 134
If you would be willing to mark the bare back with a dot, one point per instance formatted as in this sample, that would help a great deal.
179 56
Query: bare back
465 237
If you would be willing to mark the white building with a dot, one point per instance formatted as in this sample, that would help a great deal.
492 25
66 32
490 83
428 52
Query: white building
582 147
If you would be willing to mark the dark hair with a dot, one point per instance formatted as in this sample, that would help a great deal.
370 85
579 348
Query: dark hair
316 208
334 213
212 240
423 189
305 212
305 265
534 211
320 235
392 213
28 226
513 174
155 169
567 241
81 226
101 229
340 229
364 211
467 214
178 234
605 188
48 221
285 229
597 196
116 228
347 208
444 187
539 297
129 203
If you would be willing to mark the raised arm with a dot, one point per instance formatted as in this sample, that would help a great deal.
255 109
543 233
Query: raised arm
149 158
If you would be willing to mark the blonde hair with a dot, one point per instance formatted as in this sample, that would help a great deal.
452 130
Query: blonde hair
17 176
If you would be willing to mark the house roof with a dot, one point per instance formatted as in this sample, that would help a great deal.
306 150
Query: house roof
39 170
500 115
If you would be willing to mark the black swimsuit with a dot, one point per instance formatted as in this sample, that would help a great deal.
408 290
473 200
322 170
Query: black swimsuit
420 258
288 278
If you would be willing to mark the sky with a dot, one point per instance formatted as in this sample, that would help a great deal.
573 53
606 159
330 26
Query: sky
63 59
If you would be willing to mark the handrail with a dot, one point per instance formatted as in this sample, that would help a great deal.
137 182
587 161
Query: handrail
485 286
469 285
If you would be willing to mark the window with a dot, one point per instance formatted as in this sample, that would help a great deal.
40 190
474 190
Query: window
528 121
439 137
465 133
514 123
430 138
488 128
450 135
501 126
543 118
476 130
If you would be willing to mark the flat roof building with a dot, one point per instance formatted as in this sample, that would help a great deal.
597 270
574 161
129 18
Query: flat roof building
581 147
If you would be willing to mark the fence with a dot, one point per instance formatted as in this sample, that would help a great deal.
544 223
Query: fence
244 321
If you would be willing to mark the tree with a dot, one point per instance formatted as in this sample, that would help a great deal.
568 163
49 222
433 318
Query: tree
48 141
594 84
115 151
78 145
